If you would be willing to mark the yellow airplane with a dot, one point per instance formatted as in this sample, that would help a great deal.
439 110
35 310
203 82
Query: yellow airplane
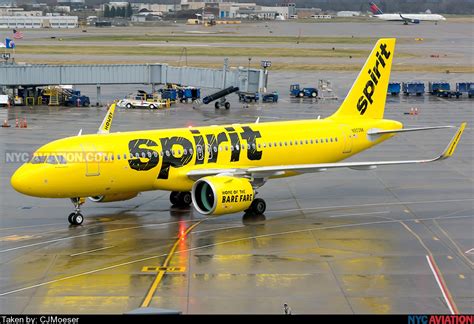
218 168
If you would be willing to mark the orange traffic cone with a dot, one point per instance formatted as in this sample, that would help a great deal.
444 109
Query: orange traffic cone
5 123
16 123
25 125
416 111
411 111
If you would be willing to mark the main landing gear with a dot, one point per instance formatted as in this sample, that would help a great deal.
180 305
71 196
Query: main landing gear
181 198
76 218
257 207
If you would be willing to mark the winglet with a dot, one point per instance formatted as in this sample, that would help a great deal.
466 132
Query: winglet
449 151
107 122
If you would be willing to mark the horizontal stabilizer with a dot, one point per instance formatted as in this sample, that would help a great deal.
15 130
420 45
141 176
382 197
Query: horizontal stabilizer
403 130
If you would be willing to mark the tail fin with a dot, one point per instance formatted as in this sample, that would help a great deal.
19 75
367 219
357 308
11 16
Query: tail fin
366 99
375 9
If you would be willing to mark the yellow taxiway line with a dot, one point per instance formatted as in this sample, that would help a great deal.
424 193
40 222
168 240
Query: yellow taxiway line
161 273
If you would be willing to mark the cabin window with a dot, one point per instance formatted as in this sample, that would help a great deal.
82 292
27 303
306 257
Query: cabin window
215 149
38 159
111 157
118 156
143 155
296 142
155 154
105 157
137 155
311 141
254 146
264 145
286 143
330 139
220 148
51 160
243 147
301 142
190 151
291 143
226 148
167 153
326 140
269 144
306 142
259 145
335 139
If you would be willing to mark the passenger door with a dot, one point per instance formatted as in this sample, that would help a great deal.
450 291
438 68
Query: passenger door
347 138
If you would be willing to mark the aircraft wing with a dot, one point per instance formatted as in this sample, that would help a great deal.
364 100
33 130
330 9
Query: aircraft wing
281 170
107 122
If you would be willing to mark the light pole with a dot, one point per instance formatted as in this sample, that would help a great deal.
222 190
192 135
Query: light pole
248 74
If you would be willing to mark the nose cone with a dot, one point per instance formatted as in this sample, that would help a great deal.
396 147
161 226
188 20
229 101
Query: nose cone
19 181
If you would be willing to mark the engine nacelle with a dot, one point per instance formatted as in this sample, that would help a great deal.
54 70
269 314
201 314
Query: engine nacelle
218 195
114 197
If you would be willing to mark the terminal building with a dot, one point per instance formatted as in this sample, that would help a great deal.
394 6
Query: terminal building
32 22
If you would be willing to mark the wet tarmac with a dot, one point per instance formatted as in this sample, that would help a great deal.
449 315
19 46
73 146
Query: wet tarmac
341 241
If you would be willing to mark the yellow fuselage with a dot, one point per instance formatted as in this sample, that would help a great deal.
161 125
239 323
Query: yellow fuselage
131 162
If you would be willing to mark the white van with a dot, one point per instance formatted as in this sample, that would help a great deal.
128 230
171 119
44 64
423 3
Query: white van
4 100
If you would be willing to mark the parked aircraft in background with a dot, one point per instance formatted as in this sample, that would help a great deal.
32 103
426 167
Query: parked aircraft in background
406 18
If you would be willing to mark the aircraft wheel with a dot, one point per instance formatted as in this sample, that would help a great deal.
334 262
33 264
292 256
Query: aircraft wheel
152 106
69 218
129 106
258 206
227 105
217 105
314 94
301 94
76 218
174 197
185 199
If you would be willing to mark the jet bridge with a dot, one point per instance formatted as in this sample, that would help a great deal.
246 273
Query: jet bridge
15 75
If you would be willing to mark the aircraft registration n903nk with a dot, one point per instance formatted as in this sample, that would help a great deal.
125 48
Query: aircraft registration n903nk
219 168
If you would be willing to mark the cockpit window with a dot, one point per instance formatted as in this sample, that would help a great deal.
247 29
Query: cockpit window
38 159
61 159
51 160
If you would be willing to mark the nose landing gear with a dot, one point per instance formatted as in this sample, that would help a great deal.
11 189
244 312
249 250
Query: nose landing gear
76 218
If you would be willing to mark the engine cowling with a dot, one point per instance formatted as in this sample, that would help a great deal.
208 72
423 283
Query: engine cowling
218 195
114 197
